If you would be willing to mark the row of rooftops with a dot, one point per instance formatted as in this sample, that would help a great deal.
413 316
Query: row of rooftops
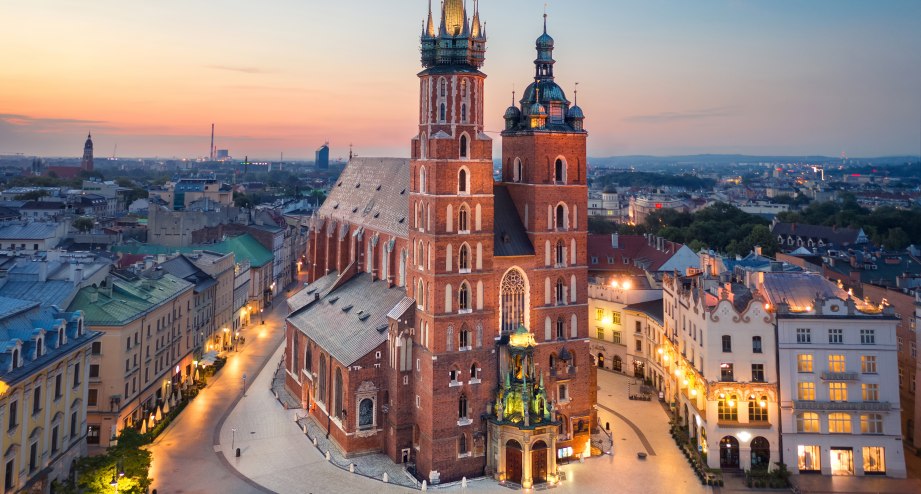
33 336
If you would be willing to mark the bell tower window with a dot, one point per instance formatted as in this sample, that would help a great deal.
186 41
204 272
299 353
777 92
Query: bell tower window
441 113
464 113
560 172
443 91
462 179
463 146
518 170
463 220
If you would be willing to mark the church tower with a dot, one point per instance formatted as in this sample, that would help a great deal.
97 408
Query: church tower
87 162
548 382
451 245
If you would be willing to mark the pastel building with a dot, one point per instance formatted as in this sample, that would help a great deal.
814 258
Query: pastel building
44 362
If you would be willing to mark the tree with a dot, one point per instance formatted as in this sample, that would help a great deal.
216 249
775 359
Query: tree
97 473
83 224
241 200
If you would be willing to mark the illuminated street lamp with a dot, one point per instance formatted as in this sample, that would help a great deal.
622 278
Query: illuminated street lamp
262 315
116 476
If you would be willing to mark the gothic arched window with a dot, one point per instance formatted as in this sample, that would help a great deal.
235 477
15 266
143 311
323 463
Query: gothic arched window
513 299
444 88
441 113
464 113
560 328
560 217
560 292
463 258
462 174
463 219
560 253
464 88
560 171
463 146
321 389
518 171
463 297
337 406
462 407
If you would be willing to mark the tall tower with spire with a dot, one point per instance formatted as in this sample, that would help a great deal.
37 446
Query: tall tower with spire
451 234
87 162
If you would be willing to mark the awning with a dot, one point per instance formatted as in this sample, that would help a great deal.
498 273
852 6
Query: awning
207 359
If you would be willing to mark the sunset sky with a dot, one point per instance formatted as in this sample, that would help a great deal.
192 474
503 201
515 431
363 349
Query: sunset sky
655 77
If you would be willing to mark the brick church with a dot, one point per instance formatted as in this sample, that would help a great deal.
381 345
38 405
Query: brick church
446 320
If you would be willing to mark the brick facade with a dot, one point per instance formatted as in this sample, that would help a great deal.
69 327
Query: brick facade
436 380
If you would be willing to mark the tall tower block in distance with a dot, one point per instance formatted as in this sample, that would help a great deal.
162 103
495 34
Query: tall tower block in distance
86 163
322 157
211 151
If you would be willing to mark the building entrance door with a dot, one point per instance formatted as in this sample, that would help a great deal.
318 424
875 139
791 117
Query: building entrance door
539 462
842 461
729 452
513 458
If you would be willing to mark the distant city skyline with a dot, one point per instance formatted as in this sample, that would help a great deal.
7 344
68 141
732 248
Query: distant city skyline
662 77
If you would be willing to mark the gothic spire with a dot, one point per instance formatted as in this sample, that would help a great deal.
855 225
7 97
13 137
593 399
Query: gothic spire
430 26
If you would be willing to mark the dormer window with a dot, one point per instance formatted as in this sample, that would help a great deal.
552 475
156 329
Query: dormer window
80 328
16 362
39 347
61 340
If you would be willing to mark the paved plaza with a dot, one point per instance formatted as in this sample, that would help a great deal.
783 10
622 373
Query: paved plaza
196 454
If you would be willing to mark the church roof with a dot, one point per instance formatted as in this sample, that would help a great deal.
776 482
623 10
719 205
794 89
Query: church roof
350 321
372 192
511 238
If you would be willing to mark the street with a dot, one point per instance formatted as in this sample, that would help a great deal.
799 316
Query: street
184 459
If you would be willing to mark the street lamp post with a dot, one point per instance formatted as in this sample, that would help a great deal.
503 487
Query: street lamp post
244 385
116 476
233 439
262 315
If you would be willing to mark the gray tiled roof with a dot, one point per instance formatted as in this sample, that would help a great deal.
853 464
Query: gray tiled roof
374 193
511 238
334 321
48 293
28 231
652 308
307 294
799 289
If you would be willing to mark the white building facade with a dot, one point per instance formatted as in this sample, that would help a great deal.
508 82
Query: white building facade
837 362
721 362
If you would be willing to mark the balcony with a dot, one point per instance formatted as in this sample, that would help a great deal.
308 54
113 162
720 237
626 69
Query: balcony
843 406
840 376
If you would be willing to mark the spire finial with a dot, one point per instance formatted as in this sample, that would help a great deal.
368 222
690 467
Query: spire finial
545 18
576 94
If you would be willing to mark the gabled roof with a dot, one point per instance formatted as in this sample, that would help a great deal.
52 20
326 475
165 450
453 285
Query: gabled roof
635 249
130 298
350 321
372 192
181 267
511 238
836 236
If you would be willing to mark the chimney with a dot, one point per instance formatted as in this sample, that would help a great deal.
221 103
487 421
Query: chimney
615 240
94 296
77 275
42 271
